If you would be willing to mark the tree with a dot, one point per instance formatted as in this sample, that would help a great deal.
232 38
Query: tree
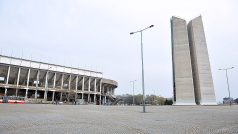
236 100
149 99
138 99
168 102
161 100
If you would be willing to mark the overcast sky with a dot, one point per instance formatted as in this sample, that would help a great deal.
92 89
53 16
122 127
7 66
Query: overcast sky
94 34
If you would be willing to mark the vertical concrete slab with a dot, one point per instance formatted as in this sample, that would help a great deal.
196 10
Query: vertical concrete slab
182 69
203 83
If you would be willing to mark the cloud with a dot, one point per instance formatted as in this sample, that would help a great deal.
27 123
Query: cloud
94 35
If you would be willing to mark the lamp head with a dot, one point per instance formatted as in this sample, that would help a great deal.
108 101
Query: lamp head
151 26
131 33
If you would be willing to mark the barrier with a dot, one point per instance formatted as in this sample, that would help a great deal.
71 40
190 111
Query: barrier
16 102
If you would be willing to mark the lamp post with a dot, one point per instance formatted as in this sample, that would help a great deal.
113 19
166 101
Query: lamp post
227 81
142 63
133 82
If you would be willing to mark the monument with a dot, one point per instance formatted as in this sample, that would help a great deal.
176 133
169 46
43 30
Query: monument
192 78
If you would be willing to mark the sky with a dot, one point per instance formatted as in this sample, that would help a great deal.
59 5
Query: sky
94 34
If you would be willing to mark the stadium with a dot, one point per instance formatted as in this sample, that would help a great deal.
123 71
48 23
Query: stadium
39 82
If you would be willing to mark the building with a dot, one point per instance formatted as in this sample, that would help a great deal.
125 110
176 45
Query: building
192 78
228 100
49 82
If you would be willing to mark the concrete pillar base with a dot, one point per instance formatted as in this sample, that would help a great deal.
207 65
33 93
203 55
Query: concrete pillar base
5 92
26 93
61 96
53 96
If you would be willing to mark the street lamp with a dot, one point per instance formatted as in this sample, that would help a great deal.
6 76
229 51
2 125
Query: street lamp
133 82
142 63
228 87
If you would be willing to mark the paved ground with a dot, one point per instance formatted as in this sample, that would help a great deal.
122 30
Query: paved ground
90 119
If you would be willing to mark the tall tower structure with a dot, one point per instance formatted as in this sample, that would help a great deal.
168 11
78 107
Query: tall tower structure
192 78
202 76
181 59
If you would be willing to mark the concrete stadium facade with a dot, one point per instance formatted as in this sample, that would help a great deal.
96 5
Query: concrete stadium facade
192 78
50 82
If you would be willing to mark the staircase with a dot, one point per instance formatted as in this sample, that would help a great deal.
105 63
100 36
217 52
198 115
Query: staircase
113 99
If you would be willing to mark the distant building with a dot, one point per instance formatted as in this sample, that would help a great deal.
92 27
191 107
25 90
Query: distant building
228 100
192 78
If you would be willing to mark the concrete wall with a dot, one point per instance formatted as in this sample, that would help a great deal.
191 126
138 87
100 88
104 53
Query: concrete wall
182 69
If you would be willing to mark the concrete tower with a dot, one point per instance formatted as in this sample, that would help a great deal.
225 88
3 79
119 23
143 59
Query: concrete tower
182 69
192 78
202 76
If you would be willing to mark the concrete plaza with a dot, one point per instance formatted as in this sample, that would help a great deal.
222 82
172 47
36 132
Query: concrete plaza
93 119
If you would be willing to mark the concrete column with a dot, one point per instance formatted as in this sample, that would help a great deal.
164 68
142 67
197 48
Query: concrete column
105 99
69 81
8 73
76 83
76 96
83 84
95 85
37 80
16 92
62 81
35 94
100 90
26 93
61 96
103 90
94 98
46 86
89 81
89 99
108 90
18 76
28 77
53 96
5 94
76 87
82 96
54 81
